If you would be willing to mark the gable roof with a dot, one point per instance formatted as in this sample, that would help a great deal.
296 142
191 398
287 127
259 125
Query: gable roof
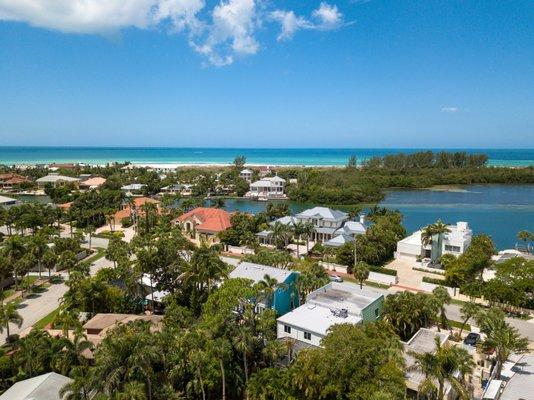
212 220
352 228
42 387
339 240
256 272
323 213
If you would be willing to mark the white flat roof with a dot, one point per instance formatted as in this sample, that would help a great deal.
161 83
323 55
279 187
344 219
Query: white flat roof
339 295
492 390
315 319
256 272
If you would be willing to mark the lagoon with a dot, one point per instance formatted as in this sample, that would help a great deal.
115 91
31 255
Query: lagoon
497 210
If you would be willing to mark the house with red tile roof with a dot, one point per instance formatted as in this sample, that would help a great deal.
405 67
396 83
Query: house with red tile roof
8 181
204 222
93 183
135 209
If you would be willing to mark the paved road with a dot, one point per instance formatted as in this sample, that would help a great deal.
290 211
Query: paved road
35 307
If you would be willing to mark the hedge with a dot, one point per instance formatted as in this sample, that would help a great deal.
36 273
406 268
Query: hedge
441 282
383 270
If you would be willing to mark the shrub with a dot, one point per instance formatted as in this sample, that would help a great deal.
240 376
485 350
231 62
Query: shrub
436 281
126 222
383 270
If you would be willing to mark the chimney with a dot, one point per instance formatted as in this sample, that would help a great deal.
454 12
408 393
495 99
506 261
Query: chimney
362 219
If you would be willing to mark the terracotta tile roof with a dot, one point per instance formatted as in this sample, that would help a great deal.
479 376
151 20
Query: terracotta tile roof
13 179
96 181
65 206
138 203
212 220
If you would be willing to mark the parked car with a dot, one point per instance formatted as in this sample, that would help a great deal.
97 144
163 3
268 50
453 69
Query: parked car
336 278
472 339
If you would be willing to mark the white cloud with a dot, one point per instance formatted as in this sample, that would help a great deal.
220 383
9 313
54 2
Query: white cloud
289 22
219 34
328 15
449 110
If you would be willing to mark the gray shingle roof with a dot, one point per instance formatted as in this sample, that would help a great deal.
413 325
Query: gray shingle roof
323 213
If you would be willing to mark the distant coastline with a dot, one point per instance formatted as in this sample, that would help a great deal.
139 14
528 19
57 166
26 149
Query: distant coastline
182 157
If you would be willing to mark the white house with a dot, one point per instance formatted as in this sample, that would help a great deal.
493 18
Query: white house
7 202
133 187
326 221
57 180
41 387
334 303
267 188
246 174
455 242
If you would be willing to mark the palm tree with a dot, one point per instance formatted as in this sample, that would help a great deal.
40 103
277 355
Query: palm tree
38 247
79 388
49 261
500 337
446 364
298 230
525 236
9 314
268 286
89 231
468 310
14 248
442 298
361 272
432 232
307 231
132 391
281 234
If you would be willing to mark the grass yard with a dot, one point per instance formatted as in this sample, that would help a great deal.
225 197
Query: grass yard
46 319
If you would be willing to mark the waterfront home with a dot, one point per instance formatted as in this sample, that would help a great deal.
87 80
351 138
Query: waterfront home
454 242
348 232
175 188
41 387
133 187
57 180
204 223
267 188
266 170
325 221
285 298
92 182
332 304
10 181
246 174
7 202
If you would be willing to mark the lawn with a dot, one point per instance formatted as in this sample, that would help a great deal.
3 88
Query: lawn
46 319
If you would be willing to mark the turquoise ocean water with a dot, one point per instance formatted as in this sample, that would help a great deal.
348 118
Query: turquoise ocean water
100 155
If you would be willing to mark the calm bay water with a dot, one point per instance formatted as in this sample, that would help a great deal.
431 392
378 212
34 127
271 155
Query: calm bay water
497 210
100 155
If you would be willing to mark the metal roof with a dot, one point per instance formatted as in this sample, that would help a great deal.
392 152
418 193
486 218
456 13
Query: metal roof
323 213
42 387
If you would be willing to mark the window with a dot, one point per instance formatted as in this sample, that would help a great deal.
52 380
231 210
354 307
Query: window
376 312
455 249
287 329
307 335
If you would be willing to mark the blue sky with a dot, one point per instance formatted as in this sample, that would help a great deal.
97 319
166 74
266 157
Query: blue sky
253 73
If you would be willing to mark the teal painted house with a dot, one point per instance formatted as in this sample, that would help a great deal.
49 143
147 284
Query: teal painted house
284 298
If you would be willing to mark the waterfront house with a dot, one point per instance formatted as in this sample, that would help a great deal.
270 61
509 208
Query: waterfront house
41 387
334 303
267 188
454 242
57 180
10 180
285 298
133 188
246 174
175 188
204 222
7 202
325 221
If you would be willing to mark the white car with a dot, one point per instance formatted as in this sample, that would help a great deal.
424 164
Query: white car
336 278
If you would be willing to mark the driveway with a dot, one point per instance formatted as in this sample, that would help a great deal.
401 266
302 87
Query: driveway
35 307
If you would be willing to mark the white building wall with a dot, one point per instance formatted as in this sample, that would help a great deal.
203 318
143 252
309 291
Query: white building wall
297 334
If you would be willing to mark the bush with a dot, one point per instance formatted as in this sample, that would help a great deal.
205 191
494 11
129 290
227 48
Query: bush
110 234
126 222
12 338
435 281
382 270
